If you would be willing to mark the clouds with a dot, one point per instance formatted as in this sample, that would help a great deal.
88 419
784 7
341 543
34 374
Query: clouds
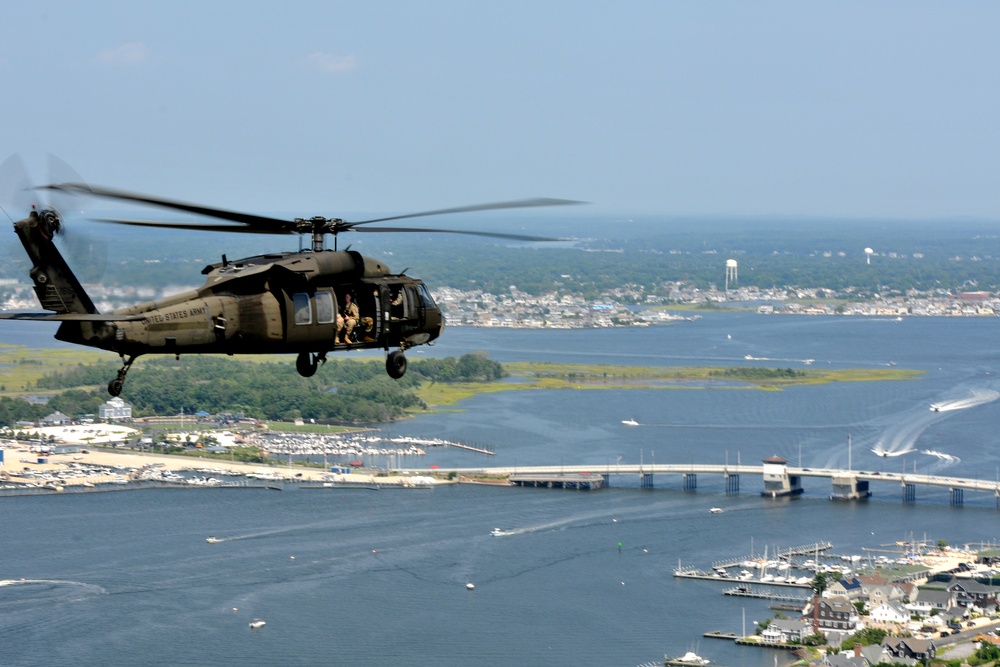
133 53
327 62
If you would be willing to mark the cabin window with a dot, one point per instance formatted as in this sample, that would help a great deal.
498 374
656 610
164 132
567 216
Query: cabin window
303 310
325 312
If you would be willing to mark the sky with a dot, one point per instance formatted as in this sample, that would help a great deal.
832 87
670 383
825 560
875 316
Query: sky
839 110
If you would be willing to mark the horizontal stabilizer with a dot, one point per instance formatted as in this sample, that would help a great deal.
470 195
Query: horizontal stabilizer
72 317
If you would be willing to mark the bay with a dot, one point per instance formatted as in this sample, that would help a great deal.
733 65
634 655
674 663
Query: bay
373 577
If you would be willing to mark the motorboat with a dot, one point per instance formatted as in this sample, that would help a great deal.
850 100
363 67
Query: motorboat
689 658
470 586
257 623
212 540
630 422
496 532
716 510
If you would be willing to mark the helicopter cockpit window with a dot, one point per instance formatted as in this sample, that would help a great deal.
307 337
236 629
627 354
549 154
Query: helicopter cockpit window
325 312
426 300
302 308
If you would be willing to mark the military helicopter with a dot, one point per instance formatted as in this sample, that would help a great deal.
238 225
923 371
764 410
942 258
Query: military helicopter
311 302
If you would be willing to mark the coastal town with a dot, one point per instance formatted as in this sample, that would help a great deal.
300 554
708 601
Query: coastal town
902 603
632 306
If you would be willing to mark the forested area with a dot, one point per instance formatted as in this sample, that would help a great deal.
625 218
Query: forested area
343 392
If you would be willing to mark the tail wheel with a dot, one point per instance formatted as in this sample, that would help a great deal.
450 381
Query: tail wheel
395 364
306 364
115 386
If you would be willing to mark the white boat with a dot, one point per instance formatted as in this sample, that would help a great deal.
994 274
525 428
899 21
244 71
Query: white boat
257 623
630 422
496 532
689 658
212 540
470 586
716 510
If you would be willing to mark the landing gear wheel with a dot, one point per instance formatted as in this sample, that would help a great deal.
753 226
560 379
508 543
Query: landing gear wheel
395 364
116 385
306 364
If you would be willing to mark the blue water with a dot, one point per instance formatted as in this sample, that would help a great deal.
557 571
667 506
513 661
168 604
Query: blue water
378 577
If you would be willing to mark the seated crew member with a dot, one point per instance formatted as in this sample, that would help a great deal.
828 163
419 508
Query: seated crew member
347 320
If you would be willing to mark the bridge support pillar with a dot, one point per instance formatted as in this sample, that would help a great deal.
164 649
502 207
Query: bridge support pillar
957 496
777 481
733 485
849 487
690 481
607 478
646 480
909 492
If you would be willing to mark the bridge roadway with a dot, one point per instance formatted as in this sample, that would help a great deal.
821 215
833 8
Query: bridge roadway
953 484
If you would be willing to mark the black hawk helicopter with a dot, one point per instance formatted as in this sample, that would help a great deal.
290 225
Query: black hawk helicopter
311 302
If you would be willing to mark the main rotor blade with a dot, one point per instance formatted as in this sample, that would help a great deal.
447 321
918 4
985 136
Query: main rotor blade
496 235
258 222
194 226
520 203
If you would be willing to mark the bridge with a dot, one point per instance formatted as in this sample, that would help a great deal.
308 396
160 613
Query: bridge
778 478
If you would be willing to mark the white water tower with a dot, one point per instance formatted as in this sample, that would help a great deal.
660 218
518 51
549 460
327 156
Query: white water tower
731 272
868 255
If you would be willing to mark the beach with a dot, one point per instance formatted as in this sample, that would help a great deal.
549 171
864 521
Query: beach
23 466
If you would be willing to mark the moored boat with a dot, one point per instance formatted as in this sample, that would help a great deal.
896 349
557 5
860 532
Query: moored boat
689 658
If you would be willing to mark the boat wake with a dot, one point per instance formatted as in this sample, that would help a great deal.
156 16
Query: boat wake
877 449
58 590
979 397
806 362
949 458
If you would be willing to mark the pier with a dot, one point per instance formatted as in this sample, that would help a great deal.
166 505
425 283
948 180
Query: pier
762 593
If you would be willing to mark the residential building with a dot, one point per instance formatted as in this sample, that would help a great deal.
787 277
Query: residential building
115 409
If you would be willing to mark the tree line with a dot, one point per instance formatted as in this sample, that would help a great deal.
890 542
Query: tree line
343 392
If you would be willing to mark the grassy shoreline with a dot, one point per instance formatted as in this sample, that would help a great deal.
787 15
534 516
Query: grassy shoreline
545 375
21 367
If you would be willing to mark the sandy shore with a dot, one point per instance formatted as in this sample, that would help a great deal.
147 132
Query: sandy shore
14 466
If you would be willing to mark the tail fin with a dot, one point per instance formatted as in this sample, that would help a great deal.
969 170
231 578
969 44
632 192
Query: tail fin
57 288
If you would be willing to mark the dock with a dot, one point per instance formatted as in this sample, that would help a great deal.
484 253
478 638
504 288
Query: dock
763 593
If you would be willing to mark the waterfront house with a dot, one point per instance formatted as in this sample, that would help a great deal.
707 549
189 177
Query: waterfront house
785 631
875 595
890 612
971 593
852 589
910 647
926 600
836 614
859 656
